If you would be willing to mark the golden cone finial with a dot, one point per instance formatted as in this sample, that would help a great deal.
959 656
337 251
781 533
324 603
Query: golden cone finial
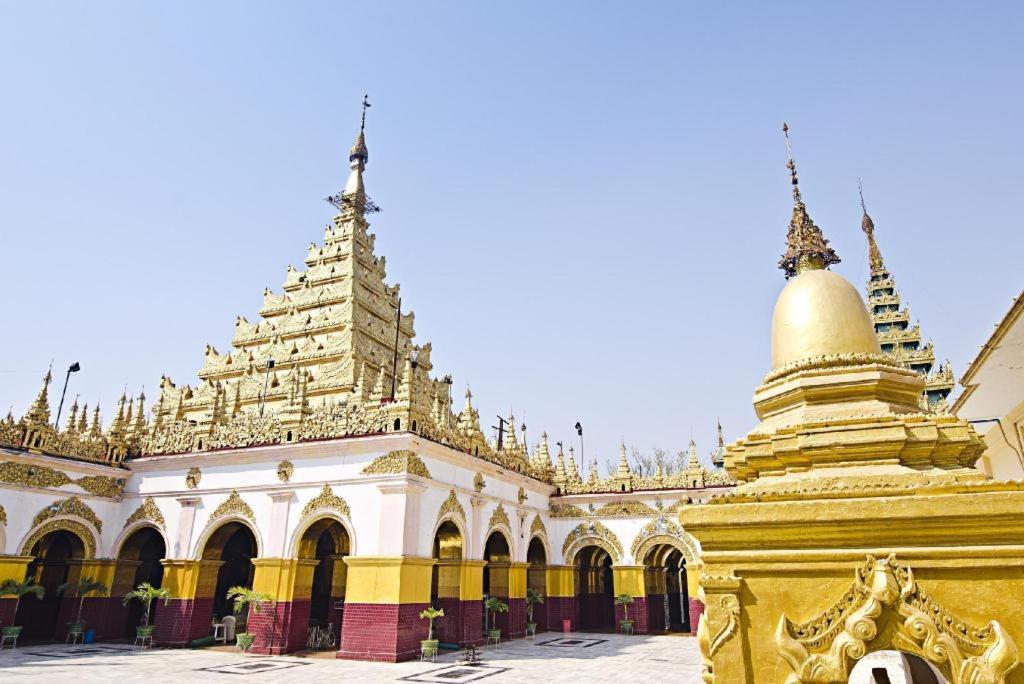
868 226
806 246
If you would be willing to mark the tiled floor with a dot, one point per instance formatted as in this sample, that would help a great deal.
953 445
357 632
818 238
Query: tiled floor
548 658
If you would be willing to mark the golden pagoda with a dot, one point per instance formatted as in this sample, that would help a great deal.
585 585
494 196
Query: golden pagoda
859 525
897 337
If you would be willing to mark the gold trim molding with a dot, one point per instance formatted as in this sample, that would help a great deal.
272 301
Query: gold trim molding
451 506
498 517
148 511
73 526
396 462
233 505
327 500
32 475
594 533
70 507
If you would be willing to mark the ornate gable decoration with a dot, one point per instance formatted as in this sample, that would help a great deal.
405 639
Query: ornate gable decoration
567 511
233 505
499 516
593 531
32 475
521 495
662 530
327 500
102 486
538 526
884 594
3 516
73 507
395 462
479 483
73 526
192 477
625 509
285 469
148 510
451 506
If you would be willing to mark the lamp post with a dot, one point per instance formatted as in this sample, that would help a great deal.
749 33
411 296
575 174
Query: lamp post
266 379
579 431
73 368
447 379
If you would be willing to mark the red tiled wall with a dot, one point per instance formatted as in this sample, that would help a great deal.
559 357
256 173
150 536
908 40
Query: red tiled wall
382 632
182 620
463 622
696 610
515 619
637 613
562 608
6 611
597 612
280 629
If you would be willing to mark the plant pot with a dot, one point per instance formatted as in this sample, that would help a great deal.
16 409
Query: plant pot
494 634
428 645
244 641
76 627
531 627
146 631
12 631
626 624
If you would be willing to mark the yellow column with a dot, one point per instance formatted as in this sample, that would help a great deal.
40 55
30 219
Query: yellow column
284 579
561 580
189 579
388 579
629 579
517 580
14 567
693 580
98 569
460 579
498 572
339 575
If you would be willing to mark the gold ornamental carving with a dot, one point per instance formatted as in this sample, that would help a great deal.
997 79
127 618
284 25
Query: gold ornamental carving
285 470
521 496
887 609
451 506
149 511
625 509
396 462
479 483
499 517
233 505
327 500
726 607
537 526
663 531
3 516
73 507
99 485
591 532
567 511
73 526
32 475
192 477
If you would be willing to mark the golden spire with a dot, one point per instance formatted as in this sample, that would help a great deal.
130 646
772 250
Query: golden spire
96 431
359 150
72 418
40 410
623 471
806 247
868 226
83 420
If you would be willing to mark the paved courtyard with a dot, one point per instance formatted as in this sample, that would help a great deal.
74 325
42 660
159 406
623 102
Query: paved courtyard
548 658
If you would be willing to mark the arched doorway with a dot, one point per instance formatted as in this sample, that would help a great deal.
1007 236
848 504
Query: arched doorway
234 545
139 561
50 567
536 579
446 585
668 593
327 542
595 589
499 560
895 667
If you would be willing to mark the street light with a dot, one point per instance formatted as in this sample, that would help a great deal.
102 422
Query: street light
73 368
266 378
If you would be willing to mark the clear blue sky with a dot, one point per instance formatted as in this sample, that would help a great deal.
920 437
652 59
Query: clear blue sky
584 202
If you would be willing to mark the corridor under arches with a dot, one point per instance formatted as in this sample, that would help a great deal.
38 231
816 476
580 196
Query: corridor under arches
53 557
595 589
138 561
668 598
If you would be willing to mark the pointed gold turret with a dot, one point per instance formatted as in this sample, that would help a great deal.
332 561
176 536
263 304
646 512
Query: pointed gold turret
868 226
806 246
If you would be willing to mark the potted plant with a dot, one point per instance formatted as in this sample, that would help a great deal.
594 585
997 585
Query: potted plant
533 597
624 600
428 647
17 589
145 593
494 605
81 588
254 600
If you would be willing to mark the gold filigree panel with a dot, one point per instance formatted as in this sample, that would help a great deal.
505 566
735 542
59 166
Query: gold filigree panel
99 485
32 475
538 526
396 462
625 509
192 477
285 470
233 505
663 531
3 516
451 506
567 511
73 507
327 500
589 533
499 517
73 526
149 511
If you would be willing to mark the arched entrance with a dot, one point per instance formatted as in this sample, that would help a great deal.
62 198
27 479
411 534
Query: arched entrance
327 542
595 589
536 579
234 545
138 561
446 585
496 574
896 667
50 567
668 598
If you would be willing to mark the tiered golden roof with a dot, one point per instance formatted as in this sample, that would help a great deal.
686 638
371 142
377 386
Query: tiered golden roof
898 338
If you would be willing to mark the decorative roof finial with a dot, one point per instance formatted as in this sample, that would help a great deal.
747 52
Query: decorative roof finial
868 226
806 247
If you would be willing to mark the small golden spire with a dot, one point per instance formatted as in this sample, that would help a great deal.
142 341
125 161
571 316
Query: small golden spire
359 150
806 246
868 226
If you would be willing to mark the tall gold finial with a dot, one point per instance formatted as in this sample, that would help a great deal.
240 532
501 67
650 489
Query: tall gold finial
806 247
790 164
359 150
366 105
868 226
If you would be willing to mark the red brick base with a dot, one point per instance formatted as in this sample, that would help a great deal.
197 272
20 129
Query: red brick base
655 612
561 608
381 632
637 613
462 624
281 628
6 611
696 610
597 612
182 620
